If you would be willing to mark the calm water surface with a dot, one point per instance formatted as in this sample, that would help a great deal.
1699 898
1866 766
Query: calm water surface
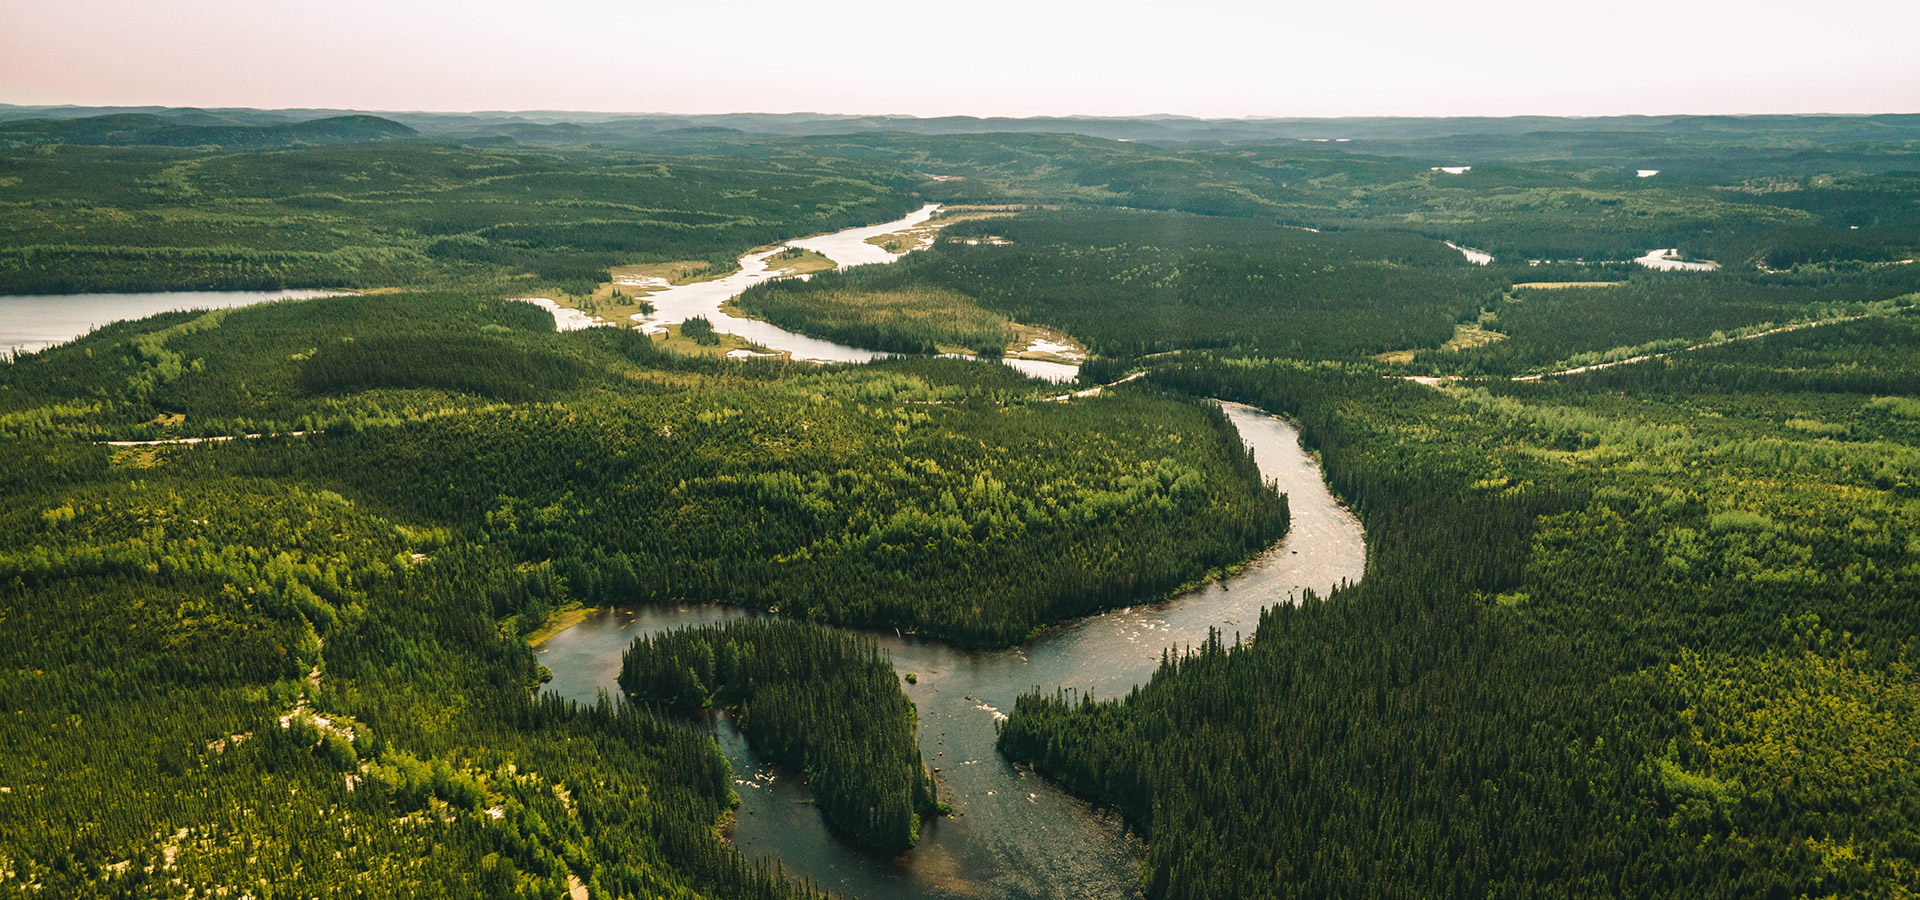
34 322
1669 261
679 303
682 302
1014 834
1477 257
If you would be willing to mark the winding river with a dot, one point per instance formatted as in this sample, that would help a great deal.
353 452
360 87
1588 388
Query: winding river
850 247
1014 834
679 303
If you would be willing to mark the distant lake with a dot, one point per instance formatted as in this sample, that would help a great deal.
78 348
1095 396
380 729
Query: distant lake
34 322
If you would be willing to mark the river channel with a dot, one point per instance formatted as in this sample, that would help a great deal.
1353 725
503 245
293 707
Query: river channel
1014 834
851 247
679 303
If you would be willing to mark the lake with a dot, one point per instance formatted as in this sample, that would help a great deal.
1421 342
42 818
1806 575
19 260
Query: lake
33 322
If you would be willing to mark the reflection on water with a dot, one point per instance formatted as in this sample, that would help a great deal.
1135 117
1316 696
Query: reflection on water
1477 257
850 247
1014 834
565 318
846 248
682 302
34 322
1044 370
1669 261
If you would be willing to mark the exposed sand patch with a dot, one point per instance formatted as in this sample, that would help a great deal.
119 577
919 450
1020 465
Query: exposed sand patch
206 440
791 261
565 318
922 236
1096 390
559 622
1034 342
1465 337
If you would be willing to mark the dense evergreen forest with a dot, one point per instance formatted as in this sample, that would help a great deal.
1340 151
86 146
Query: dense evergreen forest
147 129
233 683
822 700
861 307
1643 632
1130 283
932 495
403 213
196 632
1741 199
1558 327
413 211
1646 630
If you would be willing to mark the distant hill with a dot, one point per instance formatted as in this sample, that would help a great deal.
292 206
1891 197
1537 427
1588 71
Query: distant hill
1184 129
549 126
198 130
1675 144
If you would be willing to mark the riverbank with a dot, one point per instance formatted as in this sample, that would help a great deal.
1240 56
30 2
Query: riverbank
1014 833
560 621
30 323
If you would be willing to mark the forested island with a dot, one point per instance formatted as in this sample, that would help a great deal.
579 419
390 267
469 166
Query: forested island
1642 546
821 700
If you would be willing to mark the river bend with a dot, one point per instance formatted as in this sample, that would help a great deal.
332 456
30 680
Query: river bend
1015 834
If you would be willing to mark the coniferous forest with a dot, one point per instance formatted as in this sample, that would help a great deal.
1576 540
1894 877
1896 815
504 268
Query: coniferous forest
820 699
1642 582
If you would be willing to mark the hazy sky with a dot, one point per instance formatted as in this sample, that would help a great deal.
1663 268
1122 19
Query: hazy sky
983 57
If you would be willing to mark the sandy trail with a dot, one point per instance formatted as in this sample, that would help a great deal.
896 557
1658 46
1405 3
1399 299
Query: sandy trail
206 440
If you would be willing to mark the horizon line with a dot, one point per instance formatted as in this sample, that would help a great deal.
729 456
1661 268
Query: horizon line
902 115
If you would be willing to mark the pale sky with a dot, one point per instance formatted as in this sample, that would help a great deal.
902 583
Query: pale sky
982 57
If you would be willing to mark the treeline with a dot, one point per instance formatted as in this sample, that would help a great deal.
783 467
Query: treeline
327 363
1847 219
1343 753
1129 283
1570 196
166 607
466 363
1577 326
404 213
216 683
1866 358
933 495
973 521
863 307
819 699
566 215
1596 619
147 130
68 268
